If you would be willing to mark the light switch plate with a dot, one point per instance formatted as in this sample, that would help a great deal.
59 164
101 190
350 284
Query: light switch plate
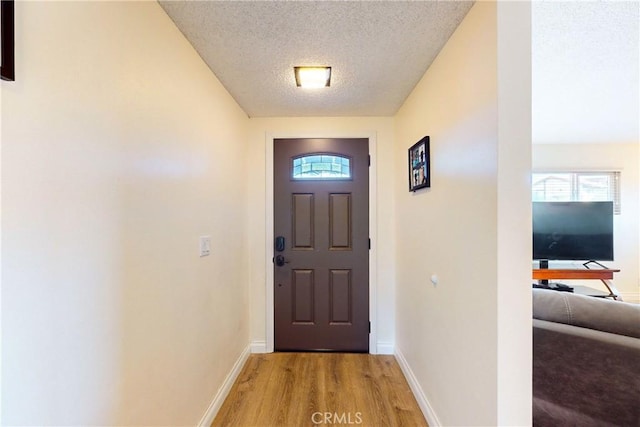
205 245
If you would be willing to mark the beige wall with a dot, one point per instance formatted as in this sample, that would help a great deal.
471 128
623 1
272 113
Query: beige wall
611 157
119 149
461 230
262 131
113 164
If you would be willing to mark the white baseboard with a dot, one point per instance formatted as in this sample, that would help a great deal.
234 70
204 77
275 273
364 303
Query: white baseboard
259 347
223 392
423 402
385 347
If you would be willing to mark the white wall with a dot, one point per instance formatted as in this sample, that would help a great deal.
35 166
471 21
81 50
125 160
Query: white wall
462 338
607 157
261 133
119 148
515 350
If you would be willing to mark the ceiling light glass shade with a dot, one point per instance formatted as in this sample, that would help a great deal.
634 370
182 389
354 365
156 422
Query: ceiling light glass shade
312 77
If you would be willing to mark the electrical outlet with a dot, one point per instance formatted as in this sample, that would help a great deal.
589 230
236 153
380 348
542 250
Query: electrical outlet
205 245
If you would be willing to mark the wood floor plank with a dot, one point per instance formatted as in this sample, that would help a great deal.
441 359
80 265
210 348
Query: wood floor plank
304 389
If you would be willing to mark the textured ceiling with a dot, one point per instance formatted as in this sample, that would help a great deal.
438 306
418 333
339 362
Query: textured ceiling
378 51
585 58
585 72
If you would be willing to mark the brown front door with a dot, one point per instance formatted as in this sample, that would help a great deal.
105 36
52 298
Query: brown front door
321 262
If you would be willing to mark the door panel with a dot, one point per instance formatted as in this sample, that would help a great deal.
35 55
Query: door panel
302 297
303 223
321 292
340 297
340 221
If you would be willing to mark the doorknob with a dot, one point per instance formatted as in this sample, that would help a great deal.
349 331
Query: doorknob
280 261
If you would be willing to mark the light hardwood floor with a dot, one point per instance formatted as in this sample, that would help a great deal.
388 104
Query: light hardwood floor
305 389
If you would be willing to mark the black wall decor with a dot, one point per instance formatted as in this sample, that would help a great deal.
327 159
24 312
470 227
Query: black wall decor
420 165
7 43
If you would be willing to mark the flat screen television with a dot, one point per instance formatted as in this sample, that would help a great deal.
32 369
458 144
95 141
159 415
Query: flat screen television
581 231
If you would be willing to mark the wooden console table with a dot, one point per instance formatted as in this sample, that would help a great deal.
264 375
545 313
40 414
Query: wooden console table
602 274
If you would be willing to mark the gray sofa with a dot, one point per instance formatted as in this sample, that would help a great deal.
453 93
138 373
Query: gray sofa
586 361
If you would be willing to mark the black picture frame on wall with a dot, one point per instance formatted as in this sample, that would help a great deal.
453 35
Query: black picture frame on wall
7 41
420 165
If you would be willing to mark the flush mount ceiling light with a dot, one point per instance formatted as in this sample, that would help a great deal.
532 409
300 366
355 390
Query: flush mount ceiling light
312 77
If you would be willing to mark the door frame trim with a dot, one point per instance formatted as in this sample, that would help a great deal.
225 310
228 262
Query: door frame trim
373 226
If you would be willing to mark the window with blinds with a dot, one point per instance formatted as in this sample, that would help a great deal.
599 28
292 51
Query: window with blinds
577 186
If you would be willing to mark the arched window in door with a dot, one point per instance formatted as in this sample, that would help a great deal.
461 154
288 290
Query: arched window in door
321 166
